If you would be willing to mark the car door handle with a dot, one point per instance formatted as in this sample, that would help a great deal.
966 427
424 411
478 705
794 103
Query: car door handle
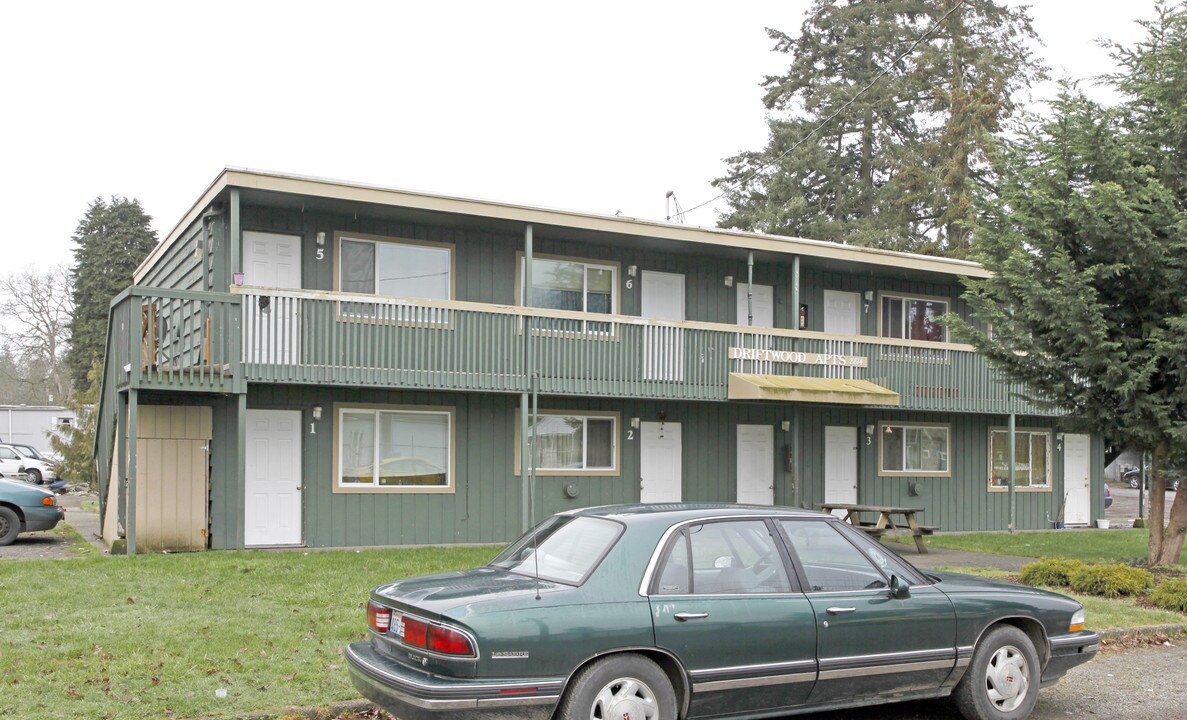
682 616
841 610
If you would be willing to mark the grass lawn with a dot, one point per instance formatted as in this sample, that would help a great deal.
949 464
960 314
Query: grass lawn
155 636
1103 546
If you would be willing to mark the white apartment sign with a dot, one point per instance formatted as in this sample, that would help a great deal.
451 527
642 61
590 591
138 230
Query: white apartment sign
805 358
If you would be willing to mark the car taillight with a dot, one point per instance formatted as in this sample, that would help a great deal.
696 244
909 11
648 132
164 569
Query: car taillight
48 501
379 617
449 642
435 638
416 632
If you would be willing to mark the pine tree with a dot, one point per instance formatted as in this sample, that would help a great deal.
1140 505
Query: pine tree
111 240
906 97
76 443
1086 303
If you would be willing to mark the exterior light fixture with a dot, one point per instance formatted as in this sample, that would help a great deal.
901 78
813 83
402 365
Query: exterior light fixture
321 238
728 280
317 412
635 423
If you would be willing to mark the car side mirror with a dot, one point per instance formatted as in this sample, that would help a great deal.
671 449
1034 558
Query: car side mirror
899 590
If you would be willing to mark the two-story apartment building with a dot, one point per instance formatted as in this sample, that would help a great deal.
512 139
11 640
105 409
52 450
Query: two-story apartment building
321 363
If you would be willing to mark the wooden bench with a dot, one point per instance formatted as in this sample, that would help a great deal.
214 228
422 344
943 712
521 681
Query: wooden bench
874 532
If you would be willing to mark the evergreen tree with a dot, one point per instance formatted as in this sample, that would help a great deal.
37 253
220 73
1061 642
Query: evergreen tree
110 242
907 96
1086 304
76 443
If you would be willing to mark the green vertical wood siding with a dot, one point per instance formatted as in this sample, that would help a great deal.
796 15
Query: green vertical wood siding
485 507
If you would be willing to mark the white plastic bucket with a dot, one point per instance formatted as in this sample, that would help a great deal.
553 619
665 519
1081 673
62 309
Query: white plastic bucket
1102 524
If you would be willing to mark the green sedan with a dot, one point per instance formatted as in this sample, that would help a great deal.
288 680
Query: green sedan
25 508
658 612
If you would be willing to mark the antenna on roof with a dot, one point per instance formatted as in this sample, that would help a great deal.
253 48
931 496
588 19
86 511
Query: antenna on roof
669 200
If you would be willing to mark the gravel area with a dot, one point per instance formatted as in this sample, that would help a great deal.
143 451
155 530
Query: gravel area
48 546
1133 684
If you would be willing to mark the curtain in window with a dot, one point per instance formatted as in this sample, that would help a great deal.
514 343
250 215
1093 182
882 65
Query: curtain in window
357 450
600 445
357 263
558 440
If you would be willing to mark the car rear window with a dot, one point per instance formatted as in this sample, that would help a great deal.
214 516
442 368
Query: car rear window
562 549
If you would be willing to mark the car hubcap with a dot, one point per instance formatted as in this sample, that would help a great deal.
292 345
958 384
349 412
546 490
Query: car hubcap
1007 679
4 527
624 699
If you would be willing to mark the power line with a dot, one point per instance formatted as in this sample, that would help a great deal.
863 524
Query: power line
885 71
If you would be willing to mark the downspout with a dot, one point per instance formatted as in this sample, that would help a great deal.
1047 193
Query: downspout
795 295
1010 476
750 289
526 462
216 211
795 437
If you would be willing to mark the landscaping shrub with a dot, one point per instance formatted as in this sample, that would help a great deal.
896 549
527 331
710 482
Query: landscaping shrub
1170 595
1110 580
1050 571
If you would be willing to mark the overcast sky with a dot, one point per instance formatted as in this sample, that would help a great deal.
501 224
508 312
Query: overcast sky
599 106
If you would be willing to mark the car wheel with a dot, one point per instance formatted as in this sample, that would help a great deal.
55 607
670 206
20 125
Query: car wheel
1175 486
1002 681
617 687
34 475
10 526
1133 480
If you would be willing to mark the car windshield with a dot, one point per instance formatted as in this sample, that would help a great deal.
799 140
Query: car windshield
27 451
561 549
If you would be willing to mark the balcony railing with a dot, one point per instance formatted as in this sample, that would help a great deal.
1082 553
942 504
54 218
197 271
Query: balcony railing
211 341
175 339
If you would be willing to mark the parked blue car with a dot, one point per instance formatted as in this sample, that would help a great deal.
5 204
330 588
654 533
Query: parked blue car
25 508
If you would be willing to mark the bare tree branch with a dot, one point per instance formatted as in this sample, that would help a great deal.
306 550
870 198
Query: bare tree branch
36 309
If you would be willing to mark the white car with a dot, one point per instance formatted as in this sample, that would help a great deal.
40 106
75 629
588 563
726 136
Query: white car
13 462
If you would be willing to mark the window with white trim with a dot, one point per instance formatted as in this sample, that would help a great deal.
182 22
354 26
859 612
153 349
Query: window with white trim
394 448
1032 459
387 267
910 318
565 442
577 285
913 449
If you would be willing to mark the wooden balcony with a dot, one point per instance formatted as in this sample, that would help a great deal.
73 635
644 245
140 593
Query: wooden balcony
219 341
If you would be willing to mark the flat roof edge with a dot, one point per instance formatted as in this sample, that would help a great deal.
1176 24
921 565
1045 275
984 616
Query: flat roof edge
380 195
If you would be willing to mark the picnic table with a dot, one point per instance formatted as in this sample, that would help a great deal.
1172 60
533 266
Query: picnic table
885 521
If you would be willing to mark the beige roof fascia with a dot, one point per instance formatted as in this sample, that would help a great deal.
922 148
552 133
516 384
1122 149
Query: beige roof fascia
354 192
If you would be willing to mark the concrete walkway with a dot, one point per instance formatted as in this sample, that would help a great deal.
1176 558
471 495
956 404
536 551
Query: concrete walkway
85 524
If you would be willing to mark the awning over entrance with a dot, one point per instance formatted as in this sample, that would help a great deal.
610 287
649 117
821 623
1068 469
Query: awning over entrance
792 388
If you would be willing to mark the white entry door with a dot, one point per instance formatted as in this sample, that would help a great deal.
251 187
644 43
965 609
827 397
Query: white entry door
663 347
272 502
756 464
271 324
1075 480
660 468
841 312
840 466
762 305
